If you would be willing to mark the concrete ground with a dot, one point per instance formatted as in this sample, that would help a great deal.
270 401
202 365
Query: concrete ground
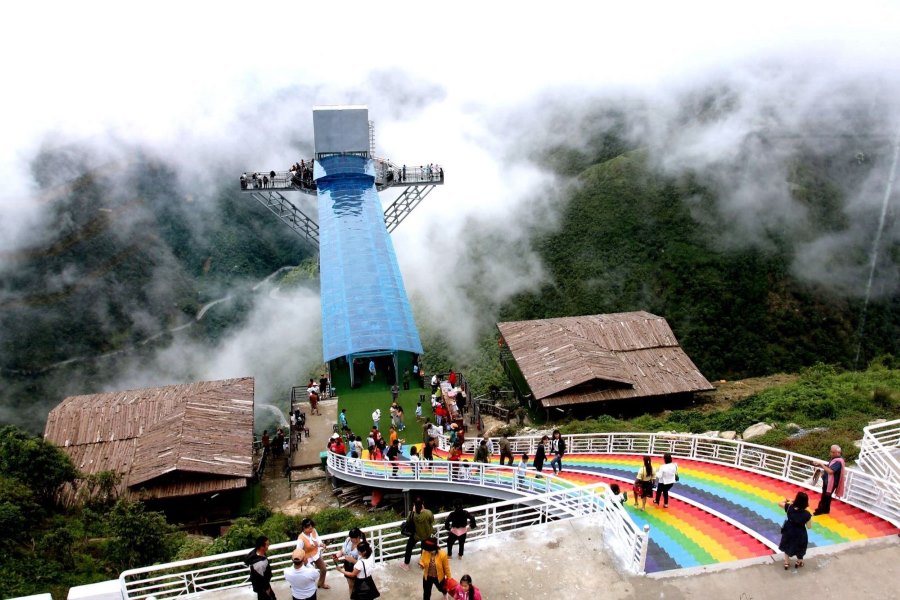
567 561
320 429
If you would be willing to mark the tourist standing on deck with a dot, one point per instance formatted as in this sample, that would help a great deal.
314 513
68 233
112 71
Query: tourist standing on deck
540 455
301 577
483 454
666 476
832 480
349 554
558 449
466 590
794 539
435 568
312 546
505 450
363 567
457 525
422 522
644 483
260 569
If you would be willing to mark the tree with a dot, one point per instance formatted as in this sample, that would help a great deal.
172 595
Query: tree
139 537
35 463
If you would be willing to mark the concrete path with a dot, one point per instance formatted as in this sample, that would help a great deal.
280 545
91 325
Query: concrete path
320 429
567 561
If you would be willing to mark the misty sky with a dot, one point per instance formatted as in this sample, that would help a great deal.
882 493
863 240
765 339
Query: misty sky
223 87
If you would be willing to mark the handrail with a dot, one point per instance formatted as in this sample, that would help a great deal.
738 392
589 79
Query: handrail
875 456
794 468
536 505
386 174
628 535
226 571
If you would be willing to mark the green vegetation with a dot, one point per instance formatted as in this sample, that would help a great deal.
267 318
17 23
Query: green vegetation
49 548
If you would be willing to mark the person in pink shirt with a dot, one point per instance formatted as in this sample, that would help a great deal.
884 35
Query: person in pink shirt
465 590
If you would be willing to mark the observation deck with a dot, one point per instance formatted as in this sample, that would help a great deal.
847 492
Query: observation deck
387 174
723 513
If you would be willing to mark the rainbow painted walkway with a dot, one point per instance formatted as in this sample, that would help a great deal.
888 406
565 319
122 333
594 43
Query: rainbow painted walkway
717 513
692 533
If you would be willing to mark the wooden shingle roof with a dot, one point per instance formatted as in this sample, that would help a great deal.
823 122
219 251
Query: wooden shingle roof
575 360
203 432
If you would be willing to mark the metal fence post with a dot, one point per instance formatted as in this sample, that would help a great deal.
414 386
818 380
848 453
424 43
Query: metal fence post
645 543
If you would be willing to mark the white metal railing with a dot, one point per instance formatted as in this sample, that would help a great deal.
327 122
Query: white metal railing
773 462
458 473
630 542
876 454
225 571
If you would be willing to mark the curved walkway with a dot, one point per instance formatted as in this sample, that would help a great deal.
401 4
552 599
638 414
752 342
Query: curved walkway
716 514
719 513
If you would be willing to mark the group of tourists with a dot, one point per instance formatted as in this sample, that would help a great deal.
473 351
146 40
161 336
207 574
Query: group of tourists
355 560
255 181
435 561
794 537
302 173
661 480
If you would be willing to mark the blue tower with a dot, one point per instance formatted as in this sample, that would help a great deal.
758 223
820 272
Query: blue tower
366 315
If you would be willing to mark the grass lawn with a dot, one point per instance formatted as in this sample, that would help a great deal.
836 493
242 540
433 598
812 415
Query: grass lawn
362 401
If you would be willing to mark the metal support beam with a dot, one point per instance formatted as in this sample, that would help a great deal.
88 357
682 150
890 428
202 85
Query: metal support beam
404 204
282 208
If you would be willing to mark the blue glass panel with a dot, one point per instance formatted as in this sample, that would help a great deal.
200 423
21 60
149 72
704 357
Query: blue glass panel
364 302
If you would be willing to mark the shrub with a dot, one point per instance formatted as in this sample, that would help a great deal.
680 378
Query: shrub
259 513
884 398
193 547
280 527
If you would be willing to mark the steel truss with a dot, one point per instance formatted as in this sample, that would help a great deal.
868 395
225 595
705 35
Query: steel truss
285 210
404 204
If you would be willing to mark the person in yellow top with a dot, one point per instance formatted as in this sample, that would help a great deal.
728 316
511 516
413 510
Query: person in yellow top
435 568
644 483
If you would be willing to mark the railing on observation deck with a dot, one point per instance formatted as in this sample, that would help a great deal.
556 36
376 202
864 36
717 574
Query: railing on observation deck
876 454
226 571
871 492
629 541
386 174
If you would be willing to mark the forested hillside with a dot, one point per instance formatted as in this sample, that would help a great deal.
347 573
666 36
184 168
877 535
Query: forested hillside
631 238
124 256
758 260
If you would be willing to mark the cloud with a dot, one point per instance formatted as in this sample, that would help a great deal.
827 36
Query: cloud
278 344
213 90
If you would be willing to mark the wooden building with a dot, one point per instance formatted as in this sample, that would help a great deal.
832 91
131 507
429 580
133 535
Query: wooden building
167 443
570 361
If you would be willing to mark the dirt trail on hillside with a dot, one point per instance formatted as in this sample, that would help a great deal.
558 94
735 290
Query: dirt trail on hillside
729 392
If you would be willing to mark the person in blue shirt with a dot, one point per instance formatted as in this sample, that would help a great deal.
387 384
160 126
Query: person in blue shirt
342 420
